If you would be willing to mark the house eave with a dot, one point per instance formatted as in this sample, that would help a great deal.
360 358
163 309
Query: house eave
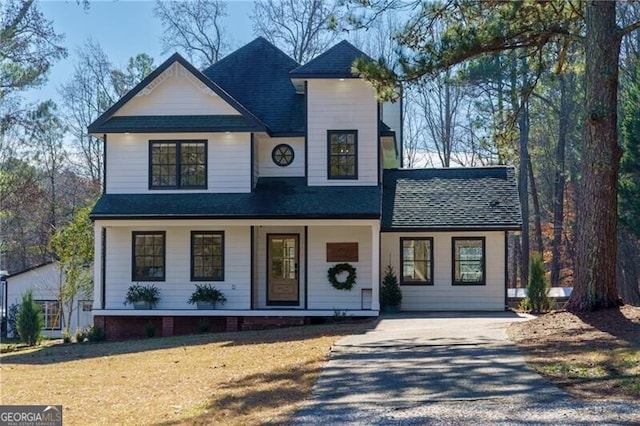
455 228
345 216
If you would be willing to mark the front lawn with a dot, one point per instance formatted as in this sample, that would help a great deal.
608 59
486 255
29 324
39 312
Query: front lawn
251 377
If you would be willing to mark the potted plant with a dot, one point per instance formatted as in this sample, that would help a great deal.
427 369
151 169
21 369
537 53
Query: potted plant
142 296
390 294
205 296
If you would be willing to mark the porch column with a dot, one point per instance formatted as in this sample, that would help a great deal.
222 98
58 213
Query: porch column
375 266
97 266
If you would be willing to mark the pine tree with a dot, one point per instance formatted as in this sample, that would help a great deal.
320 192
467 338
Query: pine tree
390 294
29 321
537 287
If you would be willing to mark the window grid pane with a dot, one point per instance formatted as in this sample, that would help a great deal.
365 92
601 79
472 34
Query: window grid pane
180 164
148 257
192 164
163 164
469 261
51 313
342 155
416 261
207 256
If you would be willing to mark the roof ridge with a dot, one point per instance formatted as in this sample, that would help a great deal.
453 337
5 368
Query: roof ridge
259 39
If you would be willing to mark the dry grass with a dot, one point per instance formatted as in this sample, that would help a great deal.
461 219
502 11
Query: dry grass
230 378
592 355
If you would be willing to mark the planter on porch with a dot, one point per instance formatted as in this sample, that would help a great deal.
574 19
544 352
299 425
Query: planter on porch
206 305
205 296
390 309
142 296
141 305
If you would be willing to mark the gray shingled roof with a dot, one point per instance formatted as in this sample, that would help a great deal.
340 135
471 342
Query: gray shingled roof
450 199
176 123
275 198
257 76
334 63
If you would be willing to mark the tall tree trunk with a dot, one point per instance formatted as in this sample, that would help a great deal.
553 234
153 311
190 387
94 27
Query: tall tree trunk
537 227
516 263
596 240
519 104
566 109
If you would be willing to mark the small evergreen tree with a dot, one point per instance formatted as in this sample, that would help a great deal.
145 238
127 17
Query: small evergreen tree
390 294
537 287
29 320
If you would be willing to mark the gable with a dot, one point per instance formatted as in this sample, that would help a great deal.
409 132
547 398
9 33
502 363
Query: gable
176 91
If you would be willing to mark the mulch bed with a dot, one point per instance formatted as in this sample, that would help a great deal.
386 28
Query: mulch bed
564 337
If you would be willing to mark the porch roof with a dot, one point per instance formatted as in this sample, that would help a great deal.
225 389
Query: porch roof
483 198
273 198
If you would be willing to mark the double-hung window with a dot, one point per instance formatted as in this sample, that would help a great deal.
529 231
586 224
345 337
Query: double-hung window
417 261
207 256
52 314
178 164
342 154
469 261
148 256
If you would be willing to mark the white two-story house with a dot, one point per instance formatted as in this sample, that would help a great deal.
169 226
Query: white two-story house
258 174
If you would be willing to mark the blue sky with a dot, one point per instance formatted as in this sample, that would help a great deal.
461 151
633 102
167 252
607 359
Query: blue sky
123 29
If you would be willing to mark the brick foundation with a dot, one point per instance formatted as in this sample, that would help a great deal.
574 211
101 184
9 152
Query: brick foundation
263 323
127 327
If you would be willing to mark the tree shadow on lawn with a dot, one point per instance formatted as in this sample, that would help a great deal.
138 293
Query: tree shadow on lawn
257 396
613 322
72 352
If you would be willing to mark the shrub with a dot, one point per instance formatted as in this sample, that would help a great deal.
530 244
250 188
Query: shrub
81 335
66 335
390 294
203 326
29 320
149 329
95 333
537 289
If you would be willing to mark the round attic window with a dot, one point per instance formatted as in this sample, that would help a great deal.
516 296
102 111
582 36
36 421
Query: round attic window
282 155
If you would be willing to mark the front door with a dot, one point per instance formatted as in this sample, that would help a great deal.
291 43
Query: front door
282 269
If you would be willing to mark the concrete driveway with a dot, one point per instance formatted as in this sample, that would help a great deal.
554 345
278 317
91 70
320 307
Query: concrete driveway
444 368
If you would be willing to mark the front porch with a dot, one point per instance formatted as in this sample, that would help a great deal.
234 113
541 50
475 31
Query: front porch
268 268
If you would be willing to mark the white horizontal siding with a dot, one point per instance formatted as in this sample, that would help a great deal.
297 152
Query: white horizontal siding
342 105
177 287
177 92
228 169
443 296
45 282
322 295
266 166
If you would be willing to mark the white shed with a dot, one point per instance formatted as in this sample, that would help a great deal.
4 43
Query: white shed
45 282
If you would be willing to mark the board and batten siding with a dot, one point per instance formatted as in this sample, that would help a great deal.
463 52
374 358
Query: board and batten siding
266 166
228 162
342 105
176 92
177 287
321 294
442 296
